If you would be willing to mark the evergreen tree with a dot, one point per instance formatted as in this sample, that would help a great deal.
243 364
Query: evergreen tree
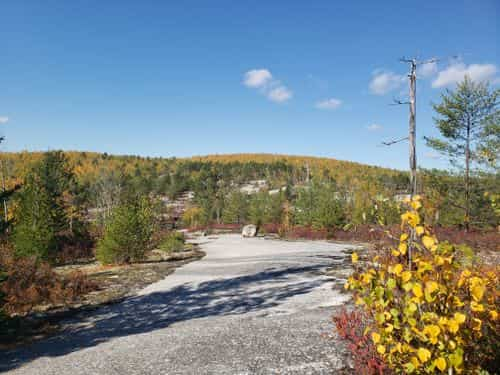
127 233
44 203
469 122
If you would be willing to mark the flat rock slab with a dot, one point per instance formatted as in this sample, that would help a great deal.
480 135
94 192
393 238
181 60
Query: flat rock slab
251 306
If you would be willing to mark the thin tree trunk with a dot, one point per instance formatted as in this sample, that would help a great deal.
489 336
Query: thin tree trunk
467 178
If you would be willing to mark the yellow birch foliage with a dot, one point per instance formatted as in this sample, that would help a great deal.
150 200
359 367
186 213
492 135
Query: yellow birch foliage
435 315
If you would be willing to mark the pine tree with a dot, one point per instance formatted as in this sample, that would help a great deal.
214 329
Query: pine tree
35 230
127 233
469 123
43 205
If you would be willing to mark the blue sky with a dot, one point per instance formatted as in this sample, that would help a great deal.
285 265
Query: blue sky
165 78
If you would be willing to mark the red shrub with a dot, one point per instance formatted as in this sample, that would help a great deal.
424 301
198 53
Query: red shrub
225 227
350 327
475 238
271 228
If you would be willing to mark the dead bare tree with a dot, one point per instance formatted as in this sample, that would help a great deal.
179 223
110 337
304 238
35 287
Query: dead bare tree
412 119
412 129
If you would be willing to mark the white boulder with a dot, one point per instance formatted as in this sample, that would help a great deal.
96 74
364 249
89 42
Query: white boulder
249 230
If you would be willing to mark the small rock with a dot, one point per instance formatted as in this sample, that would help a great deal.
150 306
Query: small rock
249 230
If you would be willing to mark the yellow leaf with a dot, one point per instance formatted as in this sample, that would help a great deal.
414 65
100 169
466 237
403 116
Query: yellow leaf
477 291
428 242
416 205
415 362
381 349
411 218
395 252
476 324
493 315
375 337
354 257
403 248
439 260
440 363
406 276
459 317
419 230
403 237
476 306
417 291
423 354
366 278
432 331
398 268
431 286
453 326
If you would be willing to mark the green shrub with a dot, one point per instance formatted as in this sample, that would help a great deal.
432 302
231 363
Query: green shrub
127 234
173 242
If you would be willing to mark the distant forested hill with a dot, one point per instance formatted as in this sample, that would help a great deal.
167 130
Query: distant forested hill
309 181
88 166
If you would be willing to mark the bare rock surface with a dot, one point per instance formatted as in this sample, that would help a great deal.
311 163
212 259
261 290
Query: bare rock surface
250 306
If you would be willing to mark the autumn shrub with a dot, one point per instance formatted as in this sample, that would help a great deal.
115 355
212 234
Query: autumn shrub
350 327
172 242
29 282
431 312
307 232
193 216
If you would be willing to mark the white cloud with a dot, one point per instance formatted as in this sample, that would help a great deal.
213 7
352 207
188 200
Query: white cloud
257 78
4 119
456 72
331 103
427 70
279 94
383 82
263 80
374 127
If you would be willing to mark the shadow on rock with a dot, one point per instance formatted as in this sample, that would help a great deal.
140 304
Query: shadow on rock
154 311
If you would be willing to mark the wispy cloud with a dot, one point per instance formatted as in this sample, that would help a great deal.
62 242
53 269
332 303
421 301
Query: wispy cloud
4 119
263 80
385 81
374 127
456 72
279 94
329 104
257 78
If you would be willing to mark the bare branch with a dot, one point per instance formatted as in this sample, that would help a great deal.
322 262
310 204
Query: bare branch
430 61
390 143
398 102
405 60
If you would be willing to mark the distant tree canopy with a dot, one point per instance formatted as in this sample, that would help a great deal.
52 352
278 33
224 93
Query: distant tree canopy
312 191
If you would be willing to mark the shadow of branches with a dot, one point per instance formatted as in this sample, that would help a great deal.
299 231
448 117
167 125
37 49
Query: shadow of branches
158 310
